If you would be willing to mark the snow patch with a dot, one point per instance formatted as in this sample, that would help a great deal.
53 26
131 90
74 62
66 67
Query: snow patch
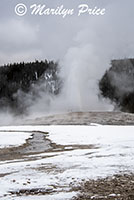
13 139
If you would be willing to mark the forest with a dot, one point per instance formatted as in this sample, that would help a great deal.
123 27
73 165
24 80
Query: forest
117 84
19 79
20 82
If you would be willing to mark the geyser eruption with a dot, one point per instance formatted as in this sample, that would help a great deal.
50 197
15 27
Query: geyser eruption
93 42
100 40
80 75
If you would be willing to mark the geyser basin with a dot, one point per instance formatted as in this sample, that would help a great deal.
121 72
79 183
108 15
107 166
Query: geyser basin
60 170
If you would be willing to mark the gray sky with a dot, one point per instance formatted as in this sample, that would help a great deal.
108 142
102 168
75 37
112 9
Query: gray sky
38 37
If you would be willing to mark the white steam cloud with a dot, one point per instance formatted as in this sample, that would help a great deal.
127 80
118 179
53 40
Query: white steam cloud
101 40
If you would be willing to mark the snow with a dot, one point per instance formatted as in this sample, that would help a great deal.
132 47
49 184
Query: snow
57 196
69 135
13 139
112 152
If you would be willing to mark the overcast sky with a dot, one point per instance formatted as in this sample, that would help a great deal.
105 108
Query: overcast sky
38 37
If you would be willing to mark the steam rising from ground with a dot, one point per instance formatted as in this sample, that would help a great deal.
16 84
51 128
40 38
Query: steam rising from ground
100 39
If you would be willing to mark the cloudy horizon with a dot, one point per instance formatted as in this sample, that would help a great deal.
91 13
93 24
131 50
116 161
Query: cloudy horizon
49 37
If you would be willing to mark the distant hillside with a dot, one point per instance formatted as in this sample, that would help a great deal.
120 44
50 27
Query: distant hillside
117 84
21 78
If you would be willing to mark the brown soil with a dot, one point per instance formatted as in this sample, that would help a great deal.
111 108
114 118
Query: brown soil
118 187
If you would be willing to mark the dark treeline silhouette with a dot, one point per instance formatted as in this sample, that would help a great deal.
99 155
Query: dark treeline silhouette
117 84
21 78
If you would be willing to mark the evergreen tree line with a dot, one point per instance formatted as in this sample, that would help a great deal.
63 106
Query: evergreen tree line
21 78
117 84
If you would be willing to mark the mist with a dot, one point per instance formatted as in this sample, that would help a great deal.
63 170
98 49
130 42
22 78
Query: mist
101 40
84 54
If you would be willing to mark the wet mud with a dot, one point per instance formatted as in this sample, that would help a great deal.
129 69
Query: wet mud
36 145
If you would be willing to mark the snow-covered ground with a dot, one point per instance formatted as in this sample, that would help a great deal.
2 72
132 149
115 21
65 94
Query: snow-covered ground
101 151
13 139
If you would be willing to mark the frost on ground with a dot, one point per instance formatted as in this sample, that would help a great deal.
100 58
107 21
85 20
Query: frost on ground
80 153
